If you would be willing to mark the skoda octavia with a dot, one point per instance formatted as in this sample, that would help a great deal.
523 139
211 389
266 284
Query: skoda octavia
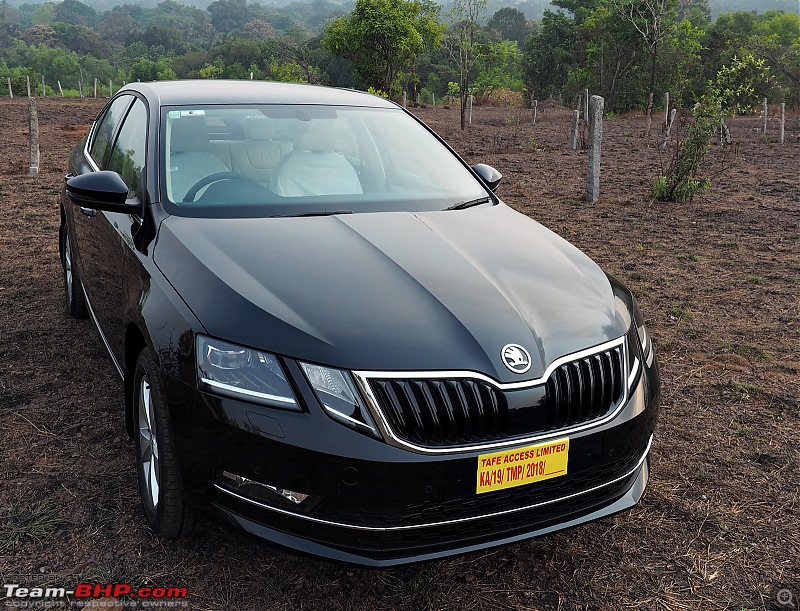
333 335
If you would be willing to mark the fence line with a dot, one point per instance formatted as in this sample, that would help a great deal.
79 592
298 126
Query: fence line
22 86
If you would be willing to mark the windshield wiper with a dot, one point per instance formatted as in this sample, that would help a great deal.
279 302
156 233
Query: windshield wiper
469 203
321 213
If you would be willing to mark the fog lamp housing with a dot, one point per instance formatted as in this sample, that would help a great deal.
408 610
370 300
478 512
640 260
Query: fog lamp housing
260 493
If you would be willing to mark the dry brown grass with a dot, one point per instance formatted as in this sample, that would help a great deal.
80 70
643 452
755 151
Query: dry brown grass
719 527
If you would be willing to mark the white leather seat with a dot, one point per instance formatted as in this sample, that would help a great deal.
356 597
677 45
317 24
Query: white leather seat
191 158
315 167
258 155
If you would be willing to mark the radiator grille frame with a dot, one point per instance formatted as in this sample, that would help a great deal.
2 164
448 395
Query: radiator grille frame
364 380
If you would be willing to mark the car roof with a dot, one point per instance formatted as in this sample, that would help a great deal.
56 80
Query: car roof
180 93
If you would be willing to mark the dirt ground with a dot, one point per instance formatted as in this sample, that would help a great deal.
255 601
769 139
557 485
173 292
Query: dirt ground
718 281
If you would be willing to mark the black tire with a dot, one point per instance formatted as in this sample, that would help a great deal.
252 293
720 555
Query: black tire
74 300
160 486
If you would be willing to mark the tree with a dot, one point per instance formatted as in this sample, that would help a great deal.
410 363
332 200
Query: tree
115 26
734 89
258 29
652 20
465 15
80 39
44 14
777 42
8 14
144 69
510 24
613 53
381 37
499 67
550 55
682 58
229 15
580 9
158 37
298 57
76 13
694 10
40 35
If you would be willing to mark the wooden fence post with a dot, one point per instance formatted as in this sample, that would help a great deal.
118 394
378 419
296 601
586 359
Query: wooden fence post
80 88
782 123
44 92
533 111
33 137
595 138
110 88
95 87
764 118
433 99
10 90
666 109
573 134
60 90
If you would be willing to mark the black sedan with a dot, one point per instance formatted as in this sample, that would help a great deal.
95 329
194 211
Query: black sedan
332 333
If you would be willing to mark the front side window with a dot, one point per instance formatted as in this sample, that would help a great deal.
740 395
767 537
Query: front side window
281 160
128 152
106 128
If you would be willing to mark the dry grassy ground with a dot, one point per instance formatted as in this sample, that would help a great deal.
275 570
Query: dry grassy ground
718 280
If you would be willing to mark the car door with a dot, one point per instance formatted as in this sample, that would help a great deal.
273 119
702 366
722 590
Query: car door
118 145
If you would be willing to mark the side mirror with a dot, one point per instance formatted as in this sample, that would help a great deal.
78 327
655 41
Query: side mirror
488 175
103 190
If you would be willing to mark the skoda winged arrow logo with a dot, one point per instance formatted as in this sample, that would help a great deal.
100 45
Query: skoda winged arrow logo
516 358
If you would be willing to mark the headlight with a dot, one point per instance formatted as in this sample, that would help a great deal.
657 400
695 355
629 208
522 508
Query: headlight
243 373
335 390
644 337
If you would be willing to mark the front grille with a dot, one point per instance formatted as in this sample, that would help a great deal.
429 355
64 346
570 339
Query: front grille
447 412
442 412
584 389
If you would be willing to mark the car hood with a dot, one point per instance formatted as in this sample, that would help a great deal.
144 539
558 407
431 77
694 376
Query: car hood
444 290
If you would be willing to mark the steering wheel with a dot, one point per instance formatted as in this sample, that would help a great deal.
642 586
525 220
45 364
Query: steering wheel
192 193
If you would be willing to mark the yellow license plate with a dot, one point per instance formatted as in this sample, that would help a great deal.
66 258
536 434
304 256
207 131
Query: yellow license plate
522 466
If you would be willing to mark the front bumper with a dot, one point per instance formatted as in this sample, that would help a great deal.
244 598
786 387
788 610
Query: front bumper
389 548
375 504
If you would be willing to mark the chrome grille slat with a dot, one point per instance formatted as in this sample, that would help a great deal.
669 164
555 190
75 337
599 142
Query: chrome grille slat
457 411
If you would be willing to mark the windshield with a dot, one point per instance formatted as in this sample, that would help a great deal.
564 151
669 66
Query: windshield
285 160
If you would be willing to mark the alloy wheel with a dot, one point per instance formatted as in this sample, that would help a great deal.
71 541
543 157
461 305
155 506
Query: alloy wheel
148 445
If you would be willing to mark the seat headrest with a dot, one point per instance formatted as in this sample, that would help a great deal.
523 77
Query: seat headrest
189 135
258 128
321 138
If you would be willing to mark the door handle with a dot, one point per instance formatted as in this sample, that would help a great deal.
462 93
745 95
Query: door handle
88 211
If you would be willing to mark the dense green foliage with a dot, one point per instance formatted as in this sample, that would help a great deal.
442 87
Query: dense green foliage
413 45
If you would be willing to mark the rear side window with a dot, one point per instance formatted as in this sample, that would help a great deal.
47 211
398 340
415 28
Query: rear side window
128 152
106 128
